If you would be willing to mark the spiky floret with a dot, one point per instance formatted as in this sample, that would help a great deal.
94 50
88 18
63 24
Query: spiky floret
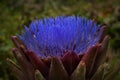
53 36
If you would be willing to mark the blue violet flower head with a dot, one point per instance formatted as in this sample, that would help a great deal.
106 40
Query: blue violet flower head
64 47
54 36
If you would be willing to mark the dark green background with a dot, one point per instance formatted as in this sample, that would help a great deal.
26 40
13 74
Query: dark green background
14 14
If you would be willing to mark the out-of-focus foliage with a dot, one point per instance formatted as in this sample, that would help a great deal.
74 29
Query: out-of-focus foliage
14 14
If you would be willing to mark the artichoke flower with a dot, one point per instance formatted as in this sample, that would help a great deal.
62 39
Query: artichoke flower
61 48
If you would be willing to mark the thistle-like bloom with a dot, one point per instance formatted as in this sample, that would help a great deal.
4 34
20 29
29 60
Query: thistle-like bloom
54 36
61 48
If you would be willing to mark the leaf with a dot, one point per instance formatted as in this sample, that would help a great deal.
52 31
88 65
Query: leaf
57 70
79 73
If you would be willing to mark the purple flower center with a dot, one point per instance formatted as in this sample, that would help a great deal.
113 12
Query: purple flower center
54 36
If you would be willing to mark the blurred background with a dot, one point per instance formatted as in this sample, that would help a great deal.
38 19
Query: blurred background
14 14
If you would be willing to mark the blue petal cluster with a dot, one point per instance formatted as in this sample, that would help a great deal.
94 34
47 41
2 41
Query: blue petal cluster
54 36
